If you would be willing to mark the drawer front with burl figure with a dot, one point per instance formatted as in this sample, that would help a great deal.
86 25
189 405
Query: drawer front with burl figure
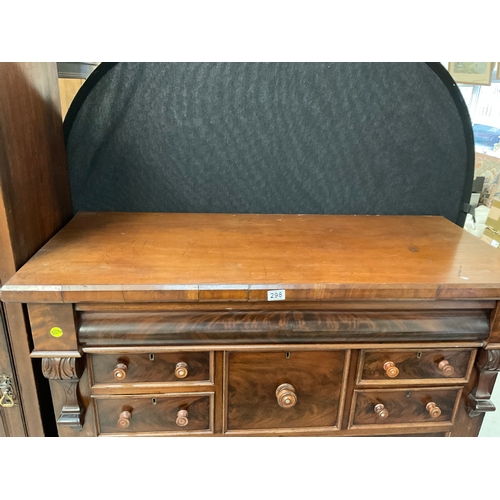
415 366
155 414
400 407
151 368
284 391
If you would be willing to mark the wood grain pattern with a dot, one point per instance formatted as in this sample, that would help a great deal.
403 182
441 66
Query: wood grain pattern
326 257
142 369
154 413
11 419
405 406
253 378
196 327
415 366
34 204
68 87
67 372
44 318
495 325
488 363
343 305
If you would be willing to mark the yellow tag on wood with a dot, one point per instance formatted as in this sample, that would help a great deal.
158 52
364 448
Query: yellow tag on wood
56 331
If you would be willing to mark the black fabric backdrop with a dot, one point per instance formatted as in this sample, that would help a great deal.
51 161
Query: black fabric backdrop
319 138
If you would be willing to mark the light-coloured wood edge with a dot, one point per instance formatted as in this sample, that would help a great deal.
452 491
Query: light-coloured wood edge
343 389
200 433
406 389
359 368
55 354
495 325
457 403
386 305
219 392
472 359
211 367
491 347
225 393
383 384
423 425
331 431
153 387
277 347
154 395
244 292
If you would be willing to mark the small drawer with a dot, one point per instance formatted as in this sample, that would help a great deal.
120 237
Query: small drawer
173 367
284 390
420 366
388 407
155 413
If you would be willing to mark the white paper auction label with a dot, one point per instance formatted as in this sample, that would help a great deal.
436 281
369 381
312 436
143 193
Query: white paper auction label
276 295
494 243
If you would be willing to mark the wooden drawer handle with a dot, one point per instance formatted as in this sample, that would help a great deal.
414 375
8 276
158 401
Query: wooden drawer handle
446 368
391 369
124 419
120 371
182 418
381 411
181 370
285 394
434 411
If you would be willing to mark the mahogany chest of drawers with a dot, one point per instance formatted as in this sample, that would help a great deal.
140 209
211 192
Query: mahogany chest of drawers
223 324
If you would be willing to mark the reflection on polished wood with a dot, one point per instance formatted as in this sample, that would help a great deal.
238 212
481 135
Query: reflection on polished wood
161 257
176 329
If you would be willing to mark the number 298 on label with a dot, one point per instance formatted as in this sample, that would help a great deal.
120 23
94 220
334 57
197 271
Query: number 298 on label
276 295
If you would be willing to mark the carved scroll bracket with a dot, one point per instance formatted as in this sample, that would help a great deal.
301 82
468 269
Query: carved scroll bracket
67 372
479 401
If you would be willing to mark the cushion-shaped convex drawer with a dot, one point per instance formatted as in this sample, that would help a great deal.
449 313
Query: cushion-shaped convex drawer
151 367
155 413
420 366
387 407
284 390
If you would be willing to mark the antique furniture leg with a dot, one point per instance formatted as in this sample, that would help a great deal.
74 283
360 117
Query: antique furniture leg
67 371
479 401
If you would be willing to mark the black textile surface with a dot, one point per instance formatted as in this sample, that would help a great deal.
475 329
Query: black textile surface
318 138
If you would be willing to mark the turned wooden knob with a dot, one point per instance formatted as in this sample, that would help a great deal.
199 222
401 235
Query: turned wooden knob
391 369
124 419
285 394
446 368
182 418
434 411
381 411
181 370
120 371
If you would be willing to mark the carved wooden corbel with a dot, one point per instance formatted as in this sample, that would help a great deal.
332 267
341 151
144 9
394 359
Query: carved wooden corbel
479 401
67 372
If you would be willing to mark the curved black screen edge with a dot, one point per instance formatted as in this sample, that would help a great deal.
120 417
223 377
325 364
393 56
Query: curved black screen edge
82 94
457 97
437 67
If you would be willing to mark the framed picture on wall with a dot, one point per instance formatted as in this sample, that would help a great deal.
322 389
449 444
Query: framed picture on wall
472 73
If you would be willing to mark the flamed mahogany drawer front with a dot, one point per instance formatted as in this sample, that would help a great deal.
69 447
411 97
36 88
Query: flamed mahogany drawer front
387 407
154 413
280 390
152 367
418 365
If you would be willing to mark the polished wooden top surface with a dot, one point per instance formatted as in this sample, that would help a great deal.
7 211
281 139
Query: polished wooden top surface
188 257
